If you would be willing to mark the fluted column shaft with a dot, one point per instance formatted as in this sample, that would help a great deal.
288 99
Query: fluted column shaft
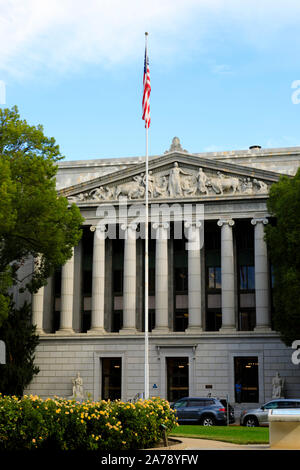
98 280
129 280
161 279
38 310
263 321
227 273
67 291
194 277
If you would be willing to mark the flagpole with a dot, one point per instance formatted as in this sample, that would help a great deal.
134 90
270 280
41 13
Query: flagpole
146 393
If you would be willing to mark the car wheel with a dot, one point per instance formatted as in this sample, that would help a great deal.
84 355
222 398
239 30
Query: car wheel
207 421
251 421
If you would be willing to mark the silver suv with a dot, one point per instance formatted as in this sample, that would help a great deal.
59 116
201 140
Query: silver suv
259 416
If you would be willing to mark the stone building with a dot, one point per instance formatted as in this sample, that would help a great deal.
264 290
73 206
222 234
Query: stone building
210 280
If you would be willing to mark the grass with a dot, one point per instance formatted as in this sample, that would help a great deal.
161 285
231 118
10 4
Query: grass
234 434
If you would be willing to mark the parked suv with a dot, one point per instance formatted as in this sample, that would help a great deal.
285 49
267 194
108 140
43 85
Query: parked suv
259 416
204 411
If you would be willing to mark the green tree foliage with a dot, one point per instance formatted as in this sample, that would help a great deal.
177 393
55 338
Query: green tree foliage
283 238
20 339
34 221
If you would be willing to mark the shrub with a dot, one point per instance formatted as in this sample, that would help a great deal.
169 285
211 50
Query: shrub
58 424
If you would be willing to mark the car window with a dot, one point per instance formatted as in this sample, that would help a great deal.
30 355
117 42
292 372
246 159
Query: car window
180 404
196 403
288 404
271 406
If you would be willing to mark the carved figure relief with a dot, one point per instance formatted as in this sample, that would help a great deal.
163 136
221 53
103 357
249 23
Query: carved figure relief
176 183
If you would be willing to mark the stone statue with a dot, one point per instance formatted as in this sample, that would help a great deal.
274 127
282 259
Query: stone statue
161 188
202 181
151 183
176 146
277 384
175 188
78 387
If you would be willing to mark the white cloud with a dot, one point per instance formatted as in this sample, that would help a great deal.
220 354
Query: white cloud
62 35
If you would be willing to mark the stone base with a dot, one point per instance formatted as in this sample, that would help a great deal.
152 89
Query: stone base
262 329
128 331
194 330
65 331
160 330
227 329
97 331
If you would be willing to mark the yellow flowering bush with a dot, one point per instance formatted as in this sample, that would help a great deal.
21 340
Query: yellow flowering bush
58 424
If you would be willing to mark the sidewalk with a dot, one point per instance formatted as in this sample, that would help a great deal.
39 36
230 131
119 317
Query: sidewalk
207 444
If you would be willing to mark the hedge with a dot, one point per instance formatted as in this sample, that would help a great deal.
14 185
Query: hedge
32 423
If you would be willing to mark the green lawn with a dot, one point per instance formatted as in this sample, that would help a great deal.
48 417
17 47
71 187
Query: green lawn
234 434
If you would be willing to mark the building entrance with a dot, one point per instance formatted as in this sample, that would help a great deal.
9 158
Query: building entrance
111 378
246 379
177 377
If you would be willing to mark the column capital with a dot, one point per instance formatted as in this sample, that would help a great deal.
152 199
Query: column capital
195 224
262 220
222 222
130 225
157 225
100 227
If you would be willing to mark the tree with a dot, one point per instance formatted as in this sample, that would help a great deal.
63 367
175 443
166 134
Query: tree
20 339
34 221
283 239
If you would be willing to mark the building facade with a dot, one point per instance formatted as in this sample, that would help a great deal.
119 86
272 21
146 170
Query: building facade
210 280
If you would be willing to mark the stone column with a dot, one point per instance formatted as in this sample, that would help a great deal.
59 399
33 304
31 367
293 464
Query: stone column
194 277
263 320
129 280
38 310
98 282
161 279
67 291
227 273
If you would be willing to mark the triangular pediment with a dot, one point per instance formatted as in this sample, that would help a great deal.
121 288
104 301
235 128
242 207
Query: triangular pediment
175 175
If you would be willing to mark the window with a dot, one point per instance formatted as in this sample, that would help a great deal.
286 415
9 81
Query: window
180 404
213 320
197 403
181 320
118 281
181 280
117 321
214 277
271 406
247 278
247 319
86 321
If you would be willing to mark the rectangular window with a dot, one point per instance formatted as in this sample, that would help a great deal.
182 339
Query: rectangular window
247 319
247 278
118 281
111 378
181 280
214 277
117 321
181 320
213 320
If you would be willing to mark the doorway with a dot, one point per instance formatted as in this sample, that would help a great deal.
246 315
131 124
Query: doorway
111 378
177 377
246 379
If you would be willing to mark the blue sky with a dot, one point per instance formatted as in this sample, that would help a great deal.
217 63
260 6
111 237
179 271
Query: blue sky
221 73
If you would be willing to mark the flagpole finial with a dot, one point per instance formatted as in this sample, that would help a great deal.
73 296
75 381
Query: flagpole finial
146 34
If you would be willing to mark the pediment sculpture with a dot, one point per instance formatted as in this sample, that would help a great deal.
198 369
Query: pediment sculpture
175 182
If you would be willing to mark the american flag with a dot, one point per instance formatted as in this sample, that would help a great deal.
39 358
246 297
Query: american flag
147 90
